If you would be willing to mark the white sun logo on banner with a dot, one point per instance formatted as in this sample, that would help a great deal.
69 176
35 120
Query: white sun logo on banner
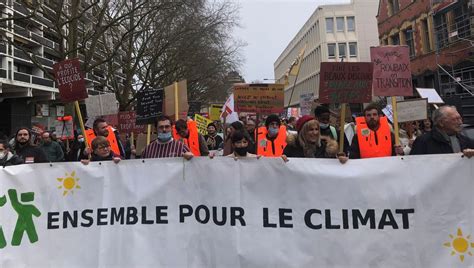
69 183
460 245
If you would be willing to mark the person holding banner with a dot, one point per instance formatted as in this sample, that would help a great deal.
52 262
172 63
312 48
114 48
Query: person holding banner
445 137
7 158
101 151
101 128
373 136
308 143
187 133
271 137
165 146
240 145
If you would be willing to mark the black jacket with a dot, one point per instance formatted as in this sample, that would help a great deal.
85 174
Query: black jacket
28 152
10 159
294 149
434 143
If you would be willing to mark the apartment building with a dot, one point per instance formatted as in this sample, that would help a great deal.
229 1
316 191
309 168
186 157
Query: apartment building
440 36
28 96
342 32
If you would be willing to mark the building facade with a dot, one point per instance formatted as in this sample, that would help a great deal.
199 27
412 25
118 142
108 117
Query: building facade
29 48
332 33
440 37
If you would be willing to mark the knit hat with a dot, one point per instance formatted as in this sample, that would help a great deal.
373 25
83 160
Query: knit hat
321 110
300 123
272 118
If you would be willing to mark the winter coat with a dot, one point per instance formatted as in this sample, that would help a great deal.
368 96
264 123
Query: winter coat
435 143
294 149
10 159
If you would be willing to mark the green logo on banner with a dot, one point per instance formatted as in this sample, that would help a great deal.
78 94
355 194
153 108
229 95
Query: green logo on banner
24 223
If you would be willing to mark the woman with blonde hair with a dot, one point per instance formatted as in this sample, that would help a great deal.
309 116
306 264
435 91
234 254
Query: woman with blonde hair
308 143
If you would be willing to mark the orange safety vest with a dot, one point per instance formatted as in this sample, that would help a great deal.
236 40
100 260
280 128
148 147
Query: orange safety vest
111 138
264 146
193 140
366 137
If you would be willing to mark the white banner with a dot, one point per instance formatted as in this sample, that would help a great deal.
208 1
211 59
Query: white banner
387 212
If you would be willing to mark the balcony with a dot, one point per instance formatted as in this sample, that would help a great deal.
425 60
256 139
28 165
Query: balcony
3 48
46 62
21 54
21 31
3 73
22 77
45 42
31 79
42 81
20 8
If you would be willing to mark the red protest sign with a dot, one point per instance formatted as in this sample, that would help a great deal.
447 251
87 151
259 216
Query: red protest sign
345 82
71 83
126 123
259 98
392 74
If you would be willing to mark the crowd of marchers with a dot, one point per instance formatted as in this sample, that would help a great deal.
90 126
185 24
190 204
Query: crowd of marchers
311 136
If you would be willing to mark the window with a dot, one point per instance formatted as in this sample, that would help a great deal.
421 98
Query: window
340 24
350 24
353 49
332 51
426 36
395 40
409 41
329 25
342 50
393 7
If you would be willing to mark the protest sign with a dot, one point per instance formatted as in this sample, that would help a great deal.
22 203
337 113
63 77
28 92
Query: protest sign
345 82
431 94
412 110
259 98
127 123
306 103
326 215
215 111
181 98
149 106
64 128
388 111
102 104
202 123
392 74
70 80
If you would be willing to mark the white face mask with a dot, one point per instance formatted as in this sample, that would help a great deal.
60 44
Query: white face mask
2 154
80 140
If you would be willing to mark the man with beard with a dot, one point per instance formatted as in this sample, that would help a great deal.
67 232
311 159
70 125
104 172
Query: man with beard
373 136
25 150
101 128
214 141
51 148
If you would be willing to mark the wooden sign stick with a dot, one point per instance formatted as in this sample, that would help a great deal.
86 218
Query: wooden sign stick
81 123
148 134
176 99
341 126
395 120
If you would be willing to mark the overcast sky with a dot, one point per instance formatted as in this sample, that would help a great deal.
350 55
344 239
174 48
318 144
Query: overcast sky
267 28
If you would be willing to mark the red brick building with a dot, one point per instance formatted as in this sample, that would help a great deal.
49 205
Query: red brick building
440 36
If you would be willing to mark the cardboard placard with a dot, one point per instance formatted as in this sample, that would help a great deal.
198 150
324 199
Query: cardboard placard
202 123
64 129
102 104
306 103
126 123
70 80
215 111
412 110
149 106
431 94
392 74
183 106
259 98
345 82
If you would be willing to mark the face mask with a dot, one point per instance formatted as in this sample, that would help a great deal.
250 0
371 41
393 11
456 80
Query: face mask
323 126
242 151
273 131
164 137
81 140
2 154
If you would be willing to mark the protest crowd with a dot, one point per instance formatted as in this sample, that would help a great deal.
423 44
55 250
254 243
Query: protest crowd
310 136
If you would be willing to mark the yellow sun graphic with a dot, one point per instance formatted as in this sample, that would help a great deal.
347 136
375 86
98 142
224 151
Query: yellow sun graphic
69 183
460 245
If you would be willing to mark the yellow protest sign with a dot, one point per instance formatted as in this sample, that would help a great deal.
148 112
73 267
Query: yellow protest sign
215 111
202 123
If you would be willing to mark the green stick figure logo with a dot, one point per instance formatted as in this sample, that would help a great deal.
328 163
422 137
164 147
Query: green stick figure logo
24 223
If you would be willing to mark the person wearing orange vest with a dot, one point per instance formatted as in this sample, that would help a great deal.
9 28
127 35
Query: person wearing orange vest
187 133
271 138
101 128
373 136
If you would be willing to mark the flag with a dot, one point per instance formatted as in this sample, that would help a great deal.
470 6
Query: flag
228 112
295 66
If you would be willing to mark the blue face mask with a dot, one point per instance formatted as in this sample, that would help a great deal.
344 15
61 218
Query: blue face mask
273 131
164 137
